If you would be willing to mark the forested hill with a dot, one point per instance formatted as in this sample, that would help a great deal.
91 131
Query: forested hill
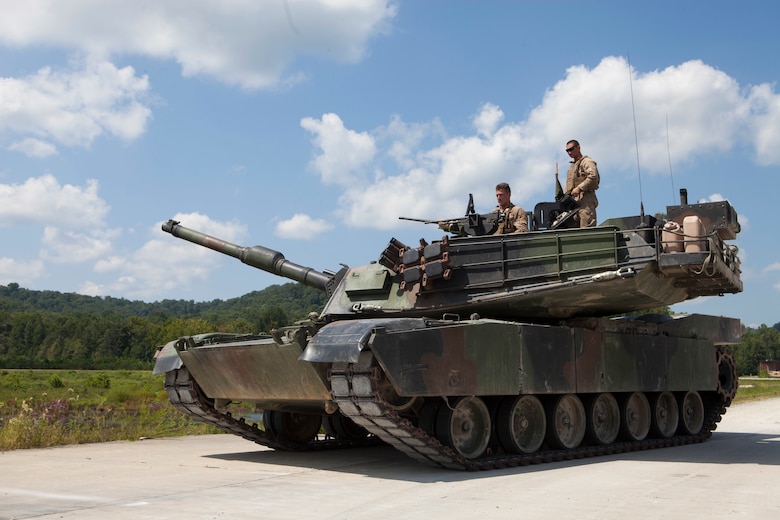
65 330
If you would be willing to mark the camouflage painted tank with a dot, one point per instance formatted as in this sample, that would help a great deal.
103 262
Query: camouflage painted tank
479 351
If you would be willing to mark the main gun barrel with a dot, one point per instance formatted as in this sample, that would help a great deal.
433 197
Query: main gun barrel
257 256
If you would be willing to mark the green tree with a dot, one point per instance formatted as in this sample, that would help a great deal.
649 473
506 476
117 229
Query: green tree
271 318
757 345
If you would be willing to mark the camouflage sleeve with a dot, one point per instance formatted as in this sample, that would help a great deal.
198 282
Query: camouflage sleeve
520 220
588 168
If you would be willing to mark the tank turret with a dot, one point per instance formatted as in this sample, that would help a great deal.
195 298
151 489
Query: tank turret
624 265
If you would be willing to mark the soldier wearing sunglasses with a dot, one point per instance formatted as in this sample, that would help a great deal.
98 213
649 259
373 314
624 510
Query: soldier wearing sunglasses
582 181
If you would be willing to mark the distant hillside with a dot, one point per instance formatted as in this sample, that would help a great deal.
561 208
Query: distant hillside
50 329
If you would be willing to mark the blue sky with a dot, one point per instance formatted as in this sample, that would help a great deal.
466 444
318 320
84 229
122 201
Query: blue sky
311 126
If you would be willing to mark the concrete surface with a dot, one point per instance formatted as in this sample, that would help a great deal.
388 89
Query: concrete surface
734 474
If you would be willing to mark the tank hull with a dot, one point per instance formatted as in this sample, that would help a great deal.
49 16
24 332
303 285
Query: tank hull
413 365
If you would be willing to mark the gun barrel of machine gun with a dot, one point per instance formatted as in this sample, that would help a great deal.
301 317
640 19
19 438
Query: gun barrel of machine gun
423 220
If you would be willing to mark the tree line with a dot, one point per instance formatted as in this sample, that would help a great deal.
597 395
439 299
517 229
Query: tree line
49 329
759 344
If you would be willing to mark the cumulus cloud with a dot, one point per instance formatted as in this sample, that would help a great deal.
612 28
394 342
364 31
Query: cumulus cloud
72 219
24 271
344 153
249 44
65 246
33 147
43 201
163 264
301 227
73 108
765 114
488 119
387 172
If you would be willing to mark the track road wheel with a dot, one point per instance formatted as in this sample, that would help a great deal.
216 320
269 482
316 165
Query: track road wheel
342 428
428 413
665 415
464 425
566 422
268 421
635 417
691 413
603 420
521 424
295 427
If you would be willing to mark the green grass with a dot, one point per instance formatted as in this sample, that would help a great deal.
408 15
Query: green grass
755 389
41 408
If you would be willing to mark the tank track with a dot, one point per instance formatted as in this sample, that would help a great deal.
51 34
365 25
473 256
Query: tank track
186 396
356 389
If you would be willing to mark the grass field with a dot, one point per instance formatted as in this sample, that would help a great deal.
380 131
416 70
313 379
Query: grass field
751 389
41 408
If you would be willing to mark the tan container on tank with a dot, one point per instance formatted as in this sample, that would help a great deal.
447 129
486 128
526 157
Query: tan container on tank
672 238
694 235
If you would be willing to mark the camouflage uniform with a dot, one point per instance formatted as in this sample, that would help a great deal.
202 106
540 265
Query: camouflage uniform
584 173
513 221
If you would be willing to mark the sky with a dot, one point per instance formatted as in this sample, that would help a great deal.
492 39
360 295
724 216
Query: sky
310 126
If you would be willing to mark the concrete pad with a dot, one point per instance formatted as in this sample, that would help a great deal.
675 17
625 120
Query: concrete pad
735 473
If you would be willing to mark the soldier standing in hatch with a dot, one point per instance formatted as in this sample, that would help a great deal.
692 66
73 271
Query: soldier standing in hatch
582 181
513 219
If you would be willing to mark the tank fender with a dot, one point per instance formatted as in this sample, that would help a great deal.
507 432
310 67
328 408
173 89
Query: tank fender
167 358
342 341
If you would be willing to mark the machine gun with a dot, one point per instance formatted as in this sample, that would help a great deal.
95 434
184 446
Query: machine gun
472 224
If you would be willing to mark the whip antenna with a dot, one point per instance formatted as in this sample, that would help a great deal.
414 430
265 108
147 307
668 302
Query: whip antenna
669 154
636 138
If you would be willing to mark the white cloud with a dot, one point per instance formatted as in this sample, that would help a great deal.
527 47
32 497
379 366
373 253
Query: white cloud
72 218
765 106
20 271
715 197
33 147
301 227
405 140
73 247
42 200
250 44
163 264
344 153
488 119
430 173
73 108
596 104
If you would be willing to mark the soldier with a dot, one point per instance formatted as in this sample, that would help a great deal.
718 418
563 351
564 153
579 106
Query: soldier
582 181
514 219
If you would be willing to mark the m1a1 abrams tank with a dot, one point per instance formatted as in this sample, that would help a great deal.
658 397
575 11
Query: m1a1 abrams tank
483 351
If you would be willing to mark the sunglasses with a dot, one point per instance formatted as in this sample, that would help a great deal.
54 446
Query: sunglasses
571 148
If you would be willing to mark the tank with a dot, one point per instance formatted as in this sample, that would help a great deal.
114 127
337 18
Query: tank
478 351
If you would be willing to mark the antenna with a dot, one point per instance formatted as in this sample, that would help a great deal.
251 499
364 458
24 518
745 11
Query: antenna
669 154
636 138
